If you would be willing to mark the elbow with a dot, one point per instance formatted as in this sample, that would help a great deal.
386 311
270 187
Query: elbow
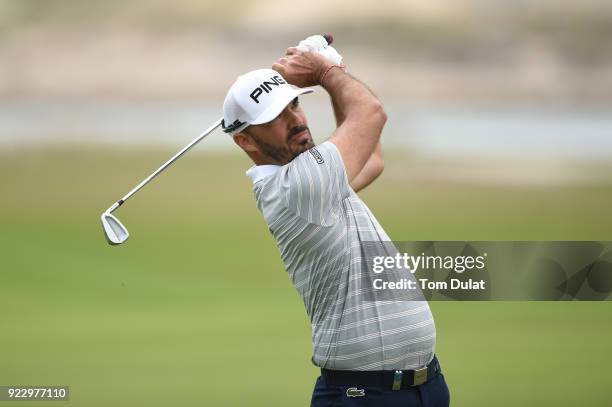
383 115
378 117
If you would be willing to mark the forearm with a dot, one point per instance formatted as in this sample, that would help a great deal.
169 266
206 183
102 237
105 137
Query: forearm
338 109
370 171
375 164
349 96
360 118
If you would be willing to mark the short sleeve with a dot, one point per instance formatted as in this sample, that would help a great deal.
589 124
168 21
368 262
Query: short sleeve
314 184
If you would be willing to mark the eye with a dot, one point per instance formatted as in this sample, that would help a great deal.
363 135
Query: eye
295 102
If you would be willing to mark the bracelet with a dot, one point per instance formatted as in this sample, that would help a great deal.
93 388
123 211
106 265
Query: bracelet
329 68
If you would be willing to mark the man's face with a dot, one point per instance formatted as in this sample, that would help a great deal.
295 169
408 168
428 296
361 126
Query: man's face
280 140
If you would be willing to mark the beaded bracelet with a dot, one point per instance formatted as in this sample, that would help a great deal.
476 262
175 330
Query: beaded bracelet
329 68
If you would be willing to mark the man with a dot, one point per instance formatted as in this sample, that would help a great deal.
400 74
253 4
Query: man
374 353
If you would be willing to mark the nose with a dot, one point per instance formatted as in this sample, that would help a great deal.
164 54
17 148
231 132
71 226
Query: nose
293 118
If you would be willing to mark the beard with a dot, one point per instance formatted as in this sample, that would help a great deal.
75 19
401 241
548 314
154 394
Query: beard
285 154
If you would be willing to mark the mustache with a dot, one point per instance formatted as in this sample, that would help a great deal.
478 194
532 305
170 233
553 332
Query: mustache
295 130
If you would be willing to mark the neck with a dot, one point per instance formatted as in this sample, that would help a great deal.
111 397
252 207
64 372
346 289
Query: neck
258 159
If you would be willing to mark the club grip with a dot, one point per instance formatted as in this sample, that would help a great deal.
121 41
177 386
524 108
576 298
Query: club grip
329 38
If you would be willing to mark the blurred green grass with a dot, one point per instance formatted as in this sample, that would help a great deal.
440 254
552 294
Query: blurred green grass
196 308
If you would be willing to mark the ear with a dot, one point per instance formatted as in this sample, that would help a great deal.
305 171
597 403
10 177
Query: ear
245 141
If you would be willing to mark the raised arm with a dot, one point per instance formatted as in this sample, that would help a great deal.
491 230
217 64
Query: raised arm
358 135
375 164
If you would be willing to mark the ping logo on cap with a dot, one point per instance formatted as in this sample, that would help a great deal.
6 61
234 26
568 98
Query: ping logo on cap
266 86
231 127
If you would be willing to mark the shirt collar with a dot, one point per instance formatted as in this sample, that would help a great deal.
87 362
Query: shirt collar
259 172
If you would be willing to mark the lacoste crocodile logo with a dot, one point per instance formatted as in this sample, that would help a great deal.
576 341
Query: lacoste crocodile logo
355 392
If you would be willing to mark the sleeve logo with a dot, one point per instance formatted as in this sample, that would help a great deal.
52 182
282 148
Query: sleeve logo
317 156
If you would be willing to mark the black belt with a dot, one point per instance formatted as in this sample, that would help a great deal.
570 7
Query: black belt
394 379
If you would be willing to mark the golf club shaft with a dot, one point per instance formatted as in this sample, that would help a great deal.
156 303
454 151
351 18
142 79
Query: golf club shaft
165 165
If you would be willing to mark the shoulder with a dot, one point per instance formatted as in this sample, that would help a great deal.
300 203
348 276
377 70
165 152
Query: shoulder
321 158
314 184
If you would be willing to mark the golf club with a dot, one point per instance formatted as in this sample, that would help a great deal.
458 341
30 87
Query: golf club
115 232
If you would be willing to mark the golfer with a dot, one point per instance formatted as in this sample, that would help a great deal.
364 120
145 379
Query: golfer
371 353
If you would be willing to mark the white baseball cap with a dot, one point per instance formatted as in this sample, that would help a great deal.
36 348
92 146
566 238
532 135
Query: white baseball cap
257 97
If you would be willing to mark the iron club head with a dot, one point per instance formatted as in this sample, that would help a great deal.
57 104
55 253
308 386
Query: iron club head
114 230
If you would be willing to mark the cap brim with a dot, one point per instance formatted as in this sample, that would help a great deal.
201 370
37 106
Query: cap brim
279 104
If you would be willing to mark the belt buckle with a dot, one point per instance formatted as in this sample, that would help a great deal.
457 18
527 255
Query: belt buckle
420 376
397 380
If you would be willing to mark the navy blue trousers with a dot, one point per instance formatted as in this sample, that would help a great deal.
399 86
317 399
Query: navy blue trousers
433 393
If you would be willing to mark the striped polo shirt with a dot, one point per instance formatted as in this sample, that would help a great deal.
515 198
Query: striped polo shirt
320 226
